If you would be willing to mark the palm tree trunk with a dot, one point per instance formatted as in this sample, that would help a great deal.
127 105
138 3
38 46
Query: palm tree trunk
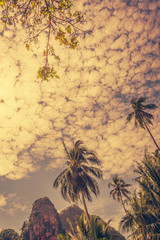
123 205
134 237
85 208
149 132
64 145
151 135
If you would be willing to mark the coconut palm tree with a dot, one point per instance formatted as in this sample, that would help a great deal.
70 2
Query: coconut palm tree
78 178
149 178
141 218
119 190
142 118
144 211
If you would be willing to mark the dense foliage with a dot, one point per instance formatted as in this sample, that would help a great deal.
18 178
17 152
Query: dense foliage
9 234
97 230
143 214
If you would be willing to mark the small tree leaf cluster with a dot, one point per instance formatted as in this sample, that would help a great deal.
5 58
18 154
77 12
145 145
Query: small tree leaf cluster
9 234
54 18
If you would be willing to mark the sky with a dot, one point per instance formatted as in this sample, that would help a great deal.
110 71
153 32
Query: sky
117 59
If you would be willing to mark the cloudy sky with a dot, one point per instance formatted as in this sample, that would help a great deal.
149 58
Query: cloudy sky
117 59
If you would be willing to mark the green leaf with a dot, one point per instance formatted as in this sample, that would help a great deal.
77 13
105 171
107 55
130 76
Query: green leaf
1 2
46 73
27 46
68 29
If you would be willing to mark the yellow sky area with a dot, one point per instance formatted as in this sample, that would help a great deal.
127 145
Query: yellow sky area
118 60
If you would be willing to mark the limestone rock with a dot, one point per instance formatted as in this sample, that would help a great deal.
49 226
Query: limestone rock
44 221
72 213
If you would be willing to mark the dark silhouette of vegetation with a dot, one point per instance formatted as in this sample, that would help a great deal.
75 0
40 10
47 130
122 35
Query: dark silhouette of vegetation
9 234
53 18
78 177
119 190
142 118
96 230
144 207
25 231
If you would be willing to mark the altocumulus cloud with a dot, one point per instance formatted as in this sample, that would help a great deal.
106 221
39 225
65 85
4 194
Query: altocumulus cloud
118 58
11 204
2 200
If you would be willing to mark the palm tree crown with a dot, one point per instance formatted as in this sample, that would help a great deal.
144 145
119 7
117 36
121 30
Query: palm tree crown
142 118
78 177
119 190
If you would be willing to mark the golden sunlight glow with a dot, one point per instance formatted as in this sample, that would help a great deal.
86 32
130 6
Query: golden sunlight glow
118 60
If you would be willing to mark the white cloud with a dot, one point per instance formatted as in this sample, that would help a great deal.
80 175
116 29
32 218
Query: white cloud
3 201
12 204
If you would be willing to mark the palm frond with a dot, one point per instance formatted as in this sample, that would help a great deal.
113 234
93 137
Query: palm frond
130 116
91 184
94 171
147 115
58 180
141 100
133 101
149 106
87 193
113 193
127 223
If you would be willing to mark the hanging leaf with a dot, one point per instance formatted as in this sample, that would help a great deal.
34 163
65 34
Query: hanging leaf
27 46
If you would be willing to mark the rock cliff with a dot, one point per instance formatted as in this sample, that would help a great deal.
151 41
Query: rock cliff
73 213
44 221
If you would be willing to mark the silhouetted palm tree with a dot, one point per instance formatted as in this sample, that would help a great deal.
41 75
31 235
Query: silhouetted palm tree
119 190
144 209
78 177
142 118
149 178
140 218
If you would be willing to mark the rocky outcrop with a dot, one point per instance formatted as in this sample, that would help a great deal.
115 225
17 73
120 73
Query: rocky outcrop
72 213
44 221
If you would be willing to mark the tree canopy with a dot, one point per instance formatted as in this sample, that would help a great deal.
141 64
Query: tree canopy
8 234
54 18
